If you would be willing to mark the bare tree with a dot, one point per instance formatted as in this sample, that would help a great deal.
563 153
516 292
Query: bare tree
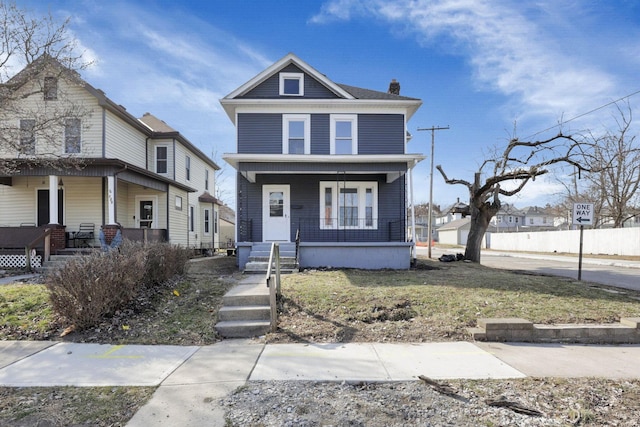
616 166
518 163
46 53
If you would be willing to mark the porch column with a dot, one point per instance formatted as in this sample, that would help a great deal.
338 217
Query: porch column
111 199
53 199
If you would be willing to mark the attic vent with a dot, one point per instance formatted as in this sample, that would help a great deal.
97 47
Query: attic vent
394 87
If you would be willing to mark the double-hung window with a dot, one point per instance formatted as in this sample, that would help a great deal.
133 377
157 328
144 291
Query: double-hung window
352 205
72 144
161 159
292 84
207 221
27 136
206 179
296 134
187 168
344 134
50 88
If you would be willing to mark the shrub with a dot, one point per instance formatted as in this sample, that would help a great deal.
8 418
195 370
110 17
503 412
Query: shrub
90 287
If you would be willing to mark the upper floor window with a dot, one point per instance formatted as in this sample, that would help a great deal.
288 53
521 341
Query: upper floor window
27 136
161 159
50 88
292 84
72 141
187 168
343 134
206 179
296 131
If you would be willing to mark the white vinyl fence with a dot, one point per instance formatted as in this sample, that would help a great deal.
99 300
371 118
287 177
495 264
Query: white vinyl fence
610 241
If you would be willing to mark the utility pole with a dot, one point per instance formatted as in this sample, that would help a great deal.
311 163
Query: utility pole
429 226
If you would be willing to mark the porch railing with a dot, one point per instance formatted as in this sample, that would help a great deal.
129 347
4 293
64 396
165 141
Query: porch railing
146 235
273 269
316 229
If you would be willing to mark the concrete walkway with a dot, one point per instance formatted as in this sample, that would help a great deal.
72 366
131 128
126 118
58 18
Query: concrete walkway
192 380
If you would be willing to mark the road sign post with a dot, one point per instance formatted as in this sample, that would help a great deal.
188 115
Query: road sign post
582 215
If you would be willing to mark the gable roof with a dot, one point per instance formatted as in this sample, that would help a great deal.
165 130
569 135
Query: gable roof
344 93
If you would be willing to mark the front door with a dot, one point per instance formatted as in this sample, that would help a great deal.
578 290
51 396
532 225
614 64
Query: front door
43 207
275 213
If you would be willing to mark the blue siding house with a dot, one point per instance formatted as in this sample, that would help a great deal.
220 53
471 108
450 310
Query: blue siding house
325 162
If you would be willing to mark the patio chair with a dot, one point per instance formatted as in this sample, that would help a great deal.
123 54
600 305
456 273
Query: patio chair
84 235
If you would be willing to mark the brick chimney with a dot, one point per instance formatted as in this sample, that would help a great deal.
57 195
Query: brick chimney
394 87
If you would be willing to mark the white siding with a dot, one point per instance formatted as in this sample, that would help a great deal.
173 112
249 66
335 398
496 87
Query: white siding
178 217
124 142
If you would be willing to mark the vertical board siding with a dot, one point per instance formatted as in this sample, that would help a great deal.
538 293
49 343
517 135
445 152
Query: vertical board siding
381 134
259 133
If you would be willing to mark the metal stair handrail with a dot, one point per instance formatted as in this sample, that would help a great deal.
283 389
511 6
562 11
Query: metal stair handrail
274 291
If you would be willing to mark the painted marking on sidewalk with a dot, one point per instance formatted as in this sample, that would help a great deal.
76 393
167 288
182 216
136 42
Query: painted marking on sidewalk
109 354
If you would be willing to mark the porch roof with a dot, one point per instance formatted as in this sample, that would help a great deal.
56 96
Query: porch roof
93 167
392 165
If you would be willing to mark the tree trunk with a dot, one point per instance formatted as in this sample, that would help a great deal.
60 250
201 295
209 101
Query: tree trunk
479 224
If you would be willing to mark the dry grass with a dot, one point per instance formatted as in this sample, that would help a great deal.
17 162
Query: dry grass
437 301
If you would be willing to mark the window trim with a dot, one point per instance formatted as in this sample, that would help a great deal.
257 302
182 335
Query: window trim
353 118
178 203
292 76
286 119
31 140
166 159
206 222
361 187
66 127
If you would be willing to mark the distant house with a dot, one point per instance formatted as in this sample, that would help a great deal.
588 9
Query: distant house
538 218
508 218
323 161
137 175
455 232
456 211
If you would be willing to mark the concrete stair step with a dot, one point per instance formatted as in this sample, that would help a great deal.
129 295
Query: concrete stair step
245 312
242 295
243 329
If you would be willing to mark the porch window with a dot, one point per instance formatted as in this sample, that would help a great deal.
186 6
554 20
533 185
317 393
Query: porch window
72 142
292 84
161 159
352 205
296 131
343 134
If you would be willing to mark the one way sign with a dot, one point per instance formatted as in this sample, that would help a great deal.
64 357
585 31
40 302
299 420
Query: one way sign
582 213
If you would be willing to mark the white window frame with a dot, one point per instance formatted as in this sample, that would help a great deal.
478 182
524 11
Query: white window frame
361 187
286 119
166 159
292 76
353 118
206 222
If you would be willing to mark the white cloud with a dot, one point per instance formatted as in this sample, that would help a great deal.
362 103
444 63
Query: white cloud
513 50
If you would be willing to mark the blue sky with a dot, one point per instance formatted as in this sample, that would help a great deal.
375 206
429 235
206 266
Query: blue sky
481 67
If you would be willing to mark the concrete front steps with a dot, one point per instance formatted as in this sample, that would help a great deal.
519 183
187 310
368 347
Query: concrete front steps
245 311
55 262
522 330
259 258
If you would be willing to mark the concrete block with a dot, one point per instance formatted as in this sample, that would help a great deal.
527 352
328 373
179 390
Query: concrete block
508 323
633 322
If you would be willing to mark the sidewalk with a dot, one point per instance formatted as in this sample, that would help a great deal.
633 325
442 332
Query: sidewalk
192 379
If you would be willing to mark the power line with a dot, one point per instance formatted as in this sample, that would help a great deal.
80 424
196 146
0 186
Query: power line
584 114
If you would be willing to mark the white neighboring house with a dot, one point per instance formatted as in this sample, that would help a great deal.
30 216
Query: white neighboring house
508 218
137 175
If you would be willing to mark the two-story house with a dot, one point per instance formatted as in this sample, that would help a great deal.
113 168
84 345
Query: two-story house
508 218
322 161
103 167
